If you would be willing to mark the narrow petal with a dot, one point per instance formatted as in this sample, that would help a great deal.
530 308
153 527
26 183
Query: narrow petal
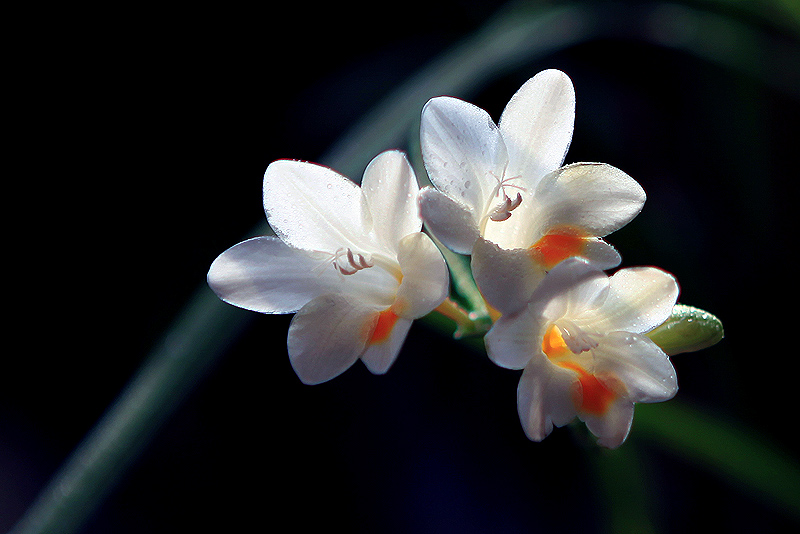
639 299
268 276
506 277
390 188
593 197
313 207
545 398
637 362
463 150
537 125
382 352
453 223
426 282
611 428
327 336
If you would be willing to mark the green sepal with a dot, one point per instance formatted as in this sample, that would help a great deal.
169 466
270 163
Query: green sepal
688 329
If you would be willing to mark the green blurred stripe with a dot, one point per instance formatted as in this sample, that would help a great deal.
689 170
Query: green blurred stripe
738 454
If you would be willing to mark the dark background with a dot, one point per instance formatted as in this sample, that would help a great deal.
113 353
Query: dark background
145 138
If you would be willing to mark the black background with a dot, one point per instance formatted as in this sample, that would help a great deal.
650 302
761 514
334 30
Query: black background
145 136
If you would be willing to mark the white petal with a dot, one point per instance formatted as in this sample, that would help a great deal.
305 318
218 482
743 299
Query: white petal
644 369
462 149
379 357
611 428
593 197
601 254
390 188
313 207
506 277
426 282
453 223
570 289
639 299
545 398
537 125
327 336
515 338
266 275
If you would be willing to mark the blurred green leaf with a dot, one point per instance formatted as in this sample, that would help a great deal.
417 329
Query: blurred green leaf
623 488
738 454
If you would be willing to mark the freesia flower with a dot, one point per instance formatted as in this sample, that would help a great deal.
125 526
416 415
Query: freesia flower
502 195
581 343
350 261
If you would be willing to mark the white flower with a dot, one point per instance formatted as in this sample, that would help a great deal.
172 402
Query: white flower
502 195
350 260
580 341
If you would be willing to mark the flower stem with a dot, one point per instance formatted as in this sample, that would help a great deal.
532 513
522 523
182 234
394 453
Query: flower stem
464 324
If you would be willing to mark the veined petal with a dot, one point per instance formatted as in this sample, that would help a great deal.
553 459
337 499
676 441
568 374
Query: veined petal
644 369
315 208
390 188
594 197
537 126
327 336
639 299
264 274
453 223
613 426
515 338
425 281
463 150
382 350
545 397
506 277
570 289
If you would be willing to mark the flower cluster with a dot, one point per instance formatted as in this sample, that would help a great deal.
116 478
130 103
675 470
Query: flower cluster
354 266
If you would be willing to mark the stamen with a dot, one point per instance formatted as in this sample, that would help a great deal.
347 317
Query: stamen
576 339
503 211
502 183
346 262
364 263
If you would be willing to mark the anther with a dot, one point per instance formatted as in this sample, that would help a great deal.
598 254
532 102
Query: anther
354 262
503 212
576 339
